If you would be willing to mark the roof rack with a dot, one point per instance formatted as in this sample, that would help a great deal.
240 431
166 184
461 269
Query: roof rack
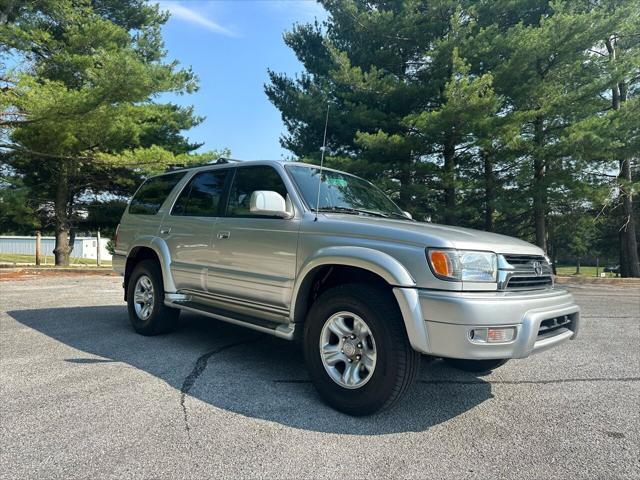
175 168
218 161
225 160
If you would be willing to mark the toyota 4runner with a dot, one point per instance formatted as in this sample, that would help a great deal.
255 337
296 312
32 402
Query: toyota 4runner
327 258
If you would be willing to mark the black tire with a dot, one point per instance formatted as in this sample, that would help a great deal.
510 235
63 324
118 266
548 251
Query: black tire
397 363
475 366
162 319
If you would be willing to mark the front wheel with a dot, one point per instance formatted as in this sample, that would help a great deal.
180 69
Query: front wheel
357 351
475 366
145 300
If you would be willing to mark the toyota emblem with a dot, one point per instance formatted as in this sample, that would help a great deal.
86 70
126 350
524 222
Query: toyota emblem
537 267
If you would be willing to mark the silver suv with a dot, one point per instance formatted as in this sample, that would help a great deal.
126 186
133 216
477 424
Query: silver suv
328 259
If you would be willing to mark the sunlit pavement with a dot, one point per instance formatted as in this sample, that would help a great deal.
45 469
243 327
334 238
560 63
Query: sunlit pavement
83 396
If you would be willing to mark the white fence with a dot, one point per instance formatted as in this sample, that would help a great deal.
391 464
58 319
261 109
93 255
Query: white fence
83 247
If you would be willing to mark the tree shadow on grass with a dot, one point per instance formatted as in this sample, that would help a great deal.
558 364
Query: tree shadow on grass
241 371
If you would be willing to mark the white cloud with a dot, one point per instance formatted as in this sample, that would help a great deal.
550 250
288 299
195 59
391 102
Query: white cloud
181 12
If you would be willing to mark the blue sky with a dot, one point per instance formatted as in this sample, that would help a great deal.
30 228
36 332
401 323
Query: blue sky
230 44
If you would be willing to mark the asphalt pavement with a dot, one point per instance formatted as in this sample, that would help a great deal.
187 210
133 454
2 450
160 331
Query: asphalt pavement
83 396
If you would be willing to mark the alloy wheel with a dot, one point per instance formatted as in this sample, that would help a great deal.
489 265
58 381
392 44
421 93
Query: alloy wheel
348 350
143 297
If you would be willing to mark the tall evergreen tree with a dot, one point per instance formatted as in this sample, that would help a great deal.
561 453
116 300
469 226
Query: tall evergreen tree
541 68
610 139
466 111
372 63
83 91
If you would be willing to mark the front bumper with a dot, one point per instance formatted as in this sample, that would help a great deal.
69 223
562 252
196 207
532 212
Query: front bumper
439 323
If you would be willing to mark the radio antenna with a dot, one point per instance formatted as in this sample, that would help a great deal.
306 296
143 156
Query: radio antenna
324 146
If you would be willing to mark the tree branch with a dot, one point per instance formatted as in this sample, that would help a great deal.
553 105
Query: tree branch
33 153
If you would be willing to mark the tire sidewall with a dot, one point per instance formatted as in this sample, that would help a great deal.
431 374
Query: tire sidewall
145 268
373 394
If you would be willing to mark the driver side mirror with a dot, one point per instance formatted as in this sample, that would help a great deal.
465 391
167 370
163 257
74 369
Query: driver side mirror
269 204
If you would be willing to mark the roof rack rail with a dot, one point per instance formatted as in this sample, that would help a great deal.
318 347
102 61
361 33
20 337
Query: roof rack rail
218 161
175 168
225 160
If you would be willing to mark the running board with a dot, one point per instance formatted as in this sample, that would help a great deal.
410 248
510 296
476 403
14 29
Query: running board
280 330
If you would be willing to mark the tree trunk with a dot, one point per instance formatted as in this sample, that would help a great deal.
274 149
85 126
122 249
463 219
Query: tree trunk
539 188
629 266
62 250
449 180
578 266
489 193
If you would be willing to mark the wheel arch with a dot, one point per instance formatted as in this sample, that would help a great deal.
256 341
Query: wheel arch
156 250
352 262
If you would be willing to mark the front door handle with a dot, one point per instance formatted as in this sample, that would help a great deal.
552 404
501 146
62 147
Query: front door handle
223 235
165 231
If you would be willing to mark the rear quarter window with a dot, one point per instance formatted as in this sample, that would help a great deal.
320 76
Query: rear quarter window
152 194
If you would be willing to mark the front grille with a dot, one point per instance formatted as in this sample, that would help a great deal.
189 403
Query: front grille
552 326
521 272
529 283
523 260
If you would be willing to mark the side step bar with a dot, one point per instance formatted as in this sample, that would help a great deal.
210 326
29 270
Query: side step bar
280 330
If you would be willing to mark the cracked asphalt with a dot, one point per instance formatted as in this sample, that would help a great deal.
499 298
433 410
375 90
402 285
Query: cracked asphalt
83 396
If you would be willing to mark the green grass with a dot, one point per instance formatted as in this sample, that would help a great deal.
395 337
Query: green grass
47 260
584 271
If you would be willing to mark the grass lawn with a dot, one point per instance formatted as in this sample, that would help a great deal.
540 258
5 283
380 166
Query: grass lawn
47 260
584 271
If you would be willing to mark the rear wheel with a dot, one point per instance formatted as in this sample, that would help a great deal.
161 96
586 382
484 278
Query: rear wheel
145 300
357 351
475 366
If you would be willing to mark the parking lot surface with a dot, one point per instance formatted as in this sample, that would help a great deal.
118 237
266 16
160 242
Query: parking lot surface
83 396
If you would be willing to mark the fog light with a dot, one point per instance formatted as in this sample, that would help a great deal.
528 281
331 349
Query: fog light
499 335
492 335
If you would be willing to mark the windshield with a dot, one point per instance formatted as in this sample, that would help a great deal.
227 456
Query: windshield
342 193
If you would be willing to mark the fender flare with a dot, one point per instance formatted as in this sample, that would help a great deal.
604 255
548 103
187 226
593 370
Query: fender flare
161 249
374 261
385 266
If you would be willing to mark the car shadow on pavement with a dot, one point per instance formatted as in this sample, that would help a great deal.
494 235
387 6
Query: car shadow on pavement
244 372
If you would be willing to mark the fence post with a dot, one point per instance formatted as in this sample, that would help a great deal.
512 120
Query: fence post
38 238
98 259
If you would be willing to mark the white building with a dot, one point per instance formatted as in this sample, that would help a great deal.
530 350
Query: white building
83 247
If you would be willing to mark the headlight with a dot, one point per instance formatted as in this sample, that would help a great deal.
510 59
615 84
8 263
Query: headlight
463 265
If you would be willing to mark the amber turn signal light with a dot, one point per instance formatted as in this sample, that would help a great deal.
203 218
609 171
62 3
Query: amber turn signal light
441 263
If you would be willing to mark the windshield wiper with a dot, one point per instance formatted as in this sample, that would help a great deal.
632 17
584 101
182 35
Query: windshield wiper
352 211
400 215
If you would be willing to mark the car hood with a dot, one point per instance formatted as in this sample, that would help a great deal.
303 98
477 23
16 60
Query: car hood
425 234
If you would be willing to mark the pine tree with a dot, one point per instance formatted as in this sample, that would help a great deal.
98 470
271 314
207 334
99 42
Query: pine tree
81 94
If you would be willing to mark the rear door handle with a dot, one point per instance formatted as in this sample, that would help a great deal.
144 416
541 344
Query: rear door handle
165 231
223 235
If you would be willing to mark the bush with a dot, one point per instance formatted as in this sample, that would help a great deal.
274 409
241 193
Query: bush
110 247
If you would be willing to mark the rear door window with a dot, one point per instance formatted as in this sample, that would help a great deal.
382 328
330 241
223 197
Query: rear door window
201 197
152 194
